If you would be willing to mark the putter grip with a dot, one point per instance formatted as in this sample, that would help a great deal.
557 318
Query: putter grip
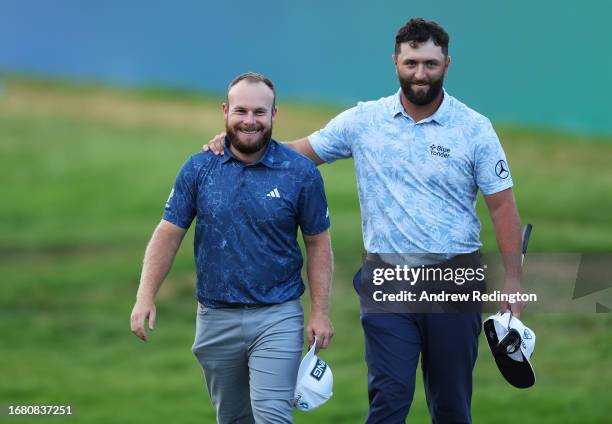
526 235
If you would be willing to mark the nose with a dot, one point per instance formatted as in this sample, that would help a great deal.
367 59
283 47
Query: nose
419 74
249 118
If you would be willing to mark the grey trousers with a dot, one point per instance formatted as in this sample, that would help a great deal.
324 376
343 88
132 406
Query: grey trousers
250 358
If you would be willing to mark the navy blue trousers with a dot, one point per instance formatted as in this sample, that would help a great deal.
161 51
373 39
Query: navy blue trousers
448 346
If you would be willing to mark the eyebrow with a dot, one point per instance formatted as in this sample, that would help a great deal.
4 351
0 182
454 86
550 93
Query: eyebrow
409 60
258 109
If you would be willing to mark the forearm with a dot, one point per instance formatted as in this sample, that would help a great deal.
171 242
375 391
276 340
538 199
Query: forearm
509 244
304 147
507 225
158 259
319 268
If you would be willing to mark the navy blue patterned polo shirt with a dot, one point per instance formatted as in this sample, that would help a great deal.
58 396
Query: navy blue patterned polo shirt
247 216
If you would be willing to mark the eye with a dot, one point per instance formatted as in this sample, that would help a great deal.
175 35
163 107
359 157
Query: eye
260 112
432 64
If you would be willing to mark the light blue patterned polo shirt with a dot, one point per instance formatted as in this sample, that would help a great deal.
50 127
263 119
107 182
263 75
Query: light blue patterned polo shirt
417 181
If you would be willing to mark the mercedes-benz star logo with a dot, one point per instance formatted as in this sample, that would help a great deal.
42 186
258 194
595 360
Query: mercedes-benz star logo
501 169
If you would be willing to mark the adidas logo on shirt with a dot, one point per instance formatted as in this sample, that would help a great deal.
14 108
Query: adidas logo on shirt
273 193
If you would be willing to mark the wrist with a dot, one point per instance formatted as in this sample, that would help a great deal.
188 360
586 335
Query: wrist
318 313
145 299
513 285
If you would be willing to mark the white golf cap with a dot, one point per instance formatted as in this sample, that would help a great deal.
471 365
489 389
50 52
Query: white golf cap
314 382
512 345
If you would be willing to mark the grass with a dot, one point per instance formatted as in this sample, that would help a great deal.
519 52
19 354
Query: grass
86 171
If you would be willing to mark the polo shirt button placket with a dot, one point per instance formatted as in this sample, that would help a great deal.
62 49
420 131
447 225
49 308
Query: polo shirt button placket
241 185
245 171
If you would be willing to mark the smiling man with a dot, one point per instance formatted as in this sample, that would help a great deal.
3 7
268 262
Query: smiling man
248 206
421 156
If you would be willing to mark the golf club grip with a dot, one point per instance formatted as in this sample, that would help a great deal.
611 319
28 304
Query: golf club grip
526 235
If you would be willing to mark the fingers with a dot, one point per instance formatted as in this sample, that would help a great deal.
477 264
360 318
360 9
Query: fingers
517 308
215 145
138 318
323 331
326 335
310 334
137 324
152 316
325 340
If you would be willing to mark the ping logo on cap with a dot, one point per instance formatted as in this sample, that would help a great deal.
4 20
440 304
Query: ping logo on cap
318 370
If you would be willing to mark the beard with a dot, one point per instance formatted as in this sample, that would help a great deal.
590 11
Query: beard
252 146
421 98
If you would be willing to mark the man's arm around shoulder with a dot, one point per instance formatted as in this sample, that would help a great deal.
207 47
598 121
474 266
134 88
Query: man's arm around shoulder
319 267
302 145
158 259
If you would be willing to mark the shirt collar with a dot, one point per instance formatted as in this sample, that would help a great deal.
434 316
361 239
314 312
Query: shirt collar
266 159
397 105
440 116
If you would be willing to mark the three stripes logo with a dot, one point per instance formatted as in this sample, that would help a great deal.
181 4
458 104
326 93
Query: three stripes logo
274 193
169 198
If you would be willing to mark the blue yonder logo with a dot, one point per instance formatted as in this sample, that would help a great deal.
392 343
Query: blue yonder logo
439 150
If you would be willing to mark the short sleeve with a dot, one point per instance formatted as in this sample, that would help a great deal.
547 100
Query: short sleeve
180 207
313 215
335 140
492 172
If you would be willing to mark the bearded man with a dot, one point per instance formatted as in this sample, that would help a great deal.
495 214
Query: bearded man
248 205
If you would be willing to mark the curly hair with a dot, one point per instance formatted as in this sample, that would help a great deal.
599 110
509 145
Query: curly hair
418 30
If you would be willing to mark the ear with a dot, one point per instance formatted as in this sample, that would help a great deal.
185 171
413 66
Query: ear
225 109
274 112
446 64
395 58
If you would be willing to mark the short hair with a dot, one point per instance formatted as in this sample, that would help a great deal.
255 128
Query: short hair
418 30
254 77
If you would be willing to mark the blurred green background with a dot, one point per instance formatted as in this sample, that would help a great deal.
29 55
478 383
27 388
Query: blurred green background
86 167
85 173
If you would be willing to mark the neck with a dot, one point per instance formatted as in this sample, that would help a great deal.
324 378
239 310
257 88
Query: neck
418 112
248 157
